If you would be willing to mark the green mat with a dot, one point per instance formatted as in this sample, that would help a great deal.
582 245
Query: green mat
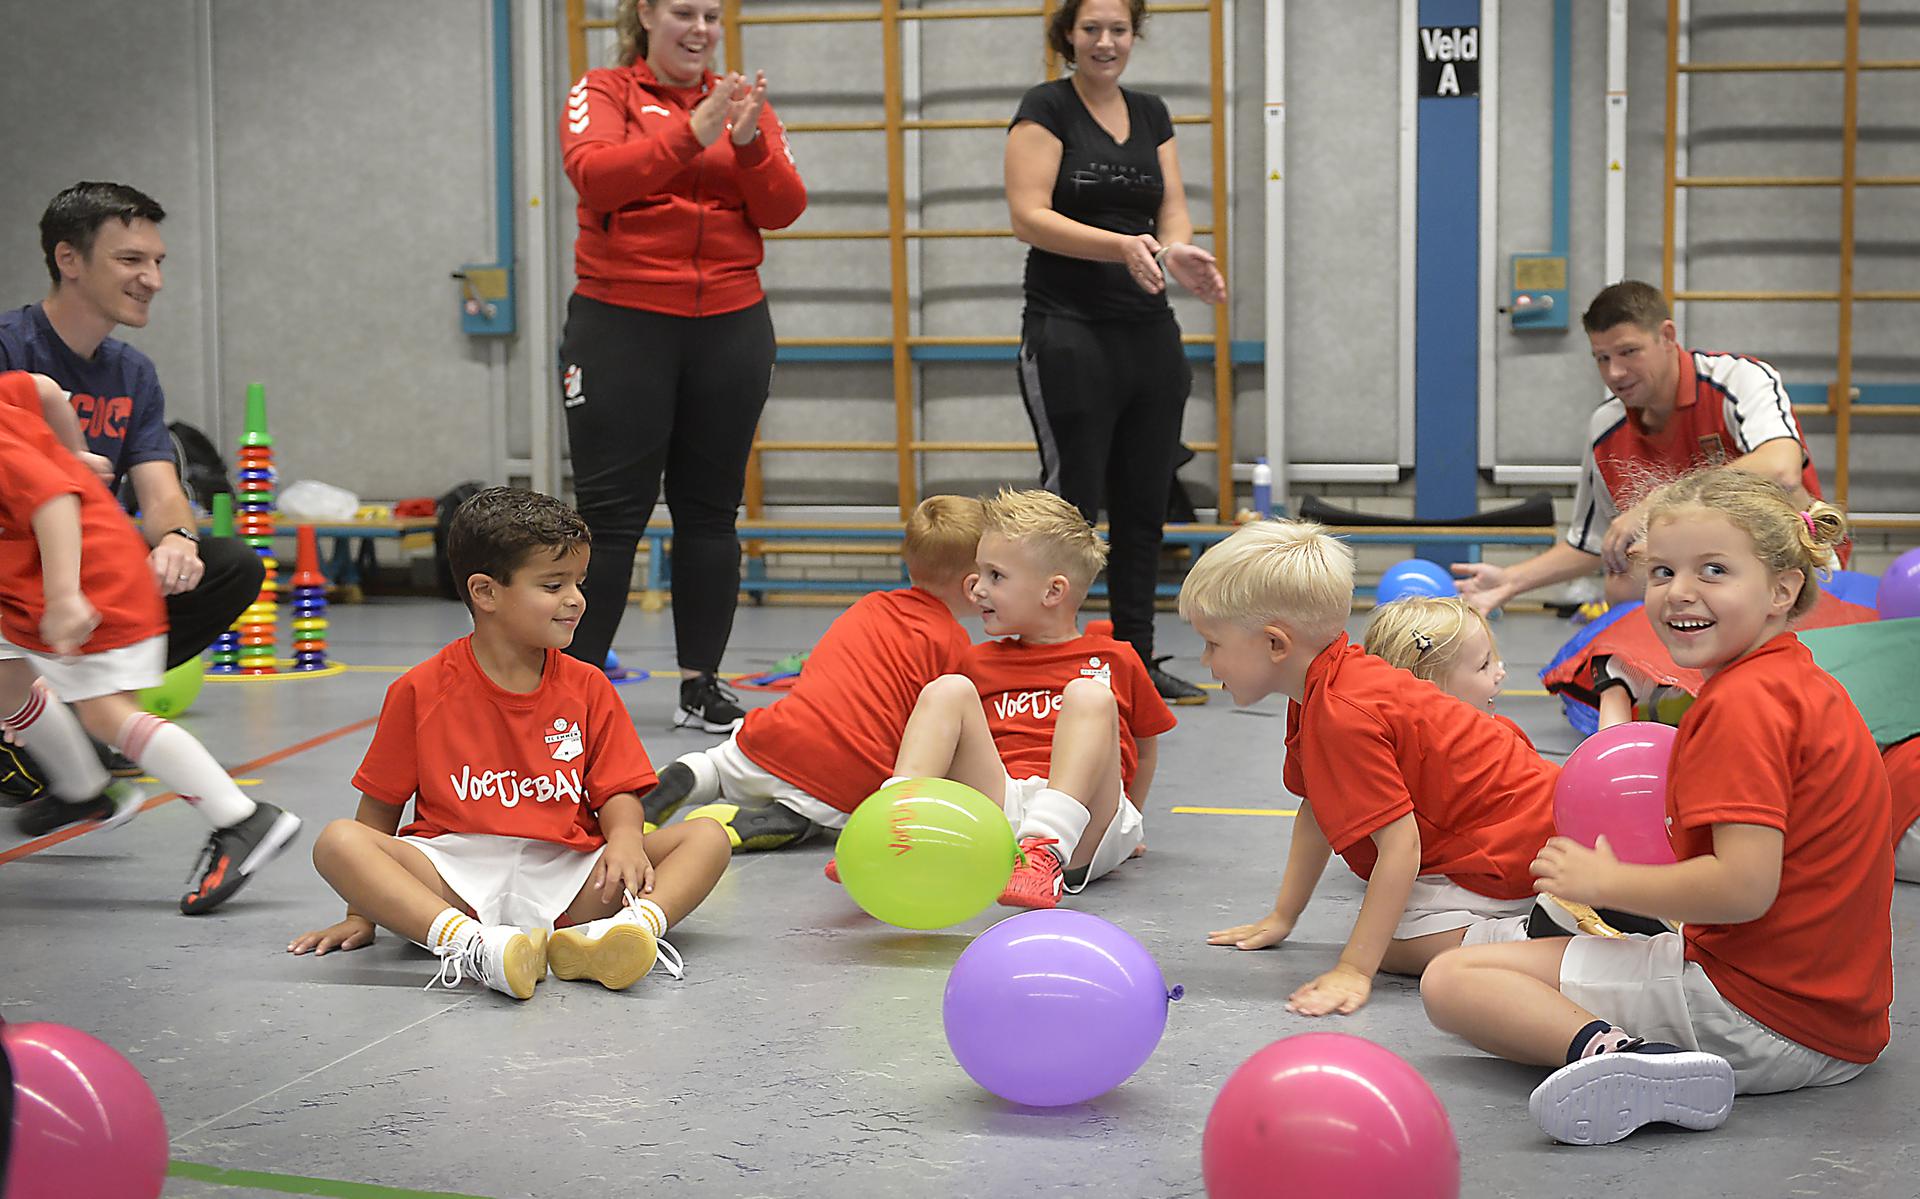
1879 665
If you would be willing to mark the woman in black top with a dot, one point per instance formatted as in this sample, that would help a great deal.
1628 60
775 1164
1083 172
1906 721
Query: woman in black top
1093 184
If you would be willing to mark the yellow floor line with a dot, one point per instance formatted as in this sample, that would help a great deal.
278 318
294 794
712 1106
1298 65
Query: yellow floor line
1235 811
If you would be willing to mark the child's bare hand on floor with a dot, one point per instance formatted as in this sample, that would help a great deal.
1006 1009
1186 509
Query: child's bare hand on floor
351 933
1270 929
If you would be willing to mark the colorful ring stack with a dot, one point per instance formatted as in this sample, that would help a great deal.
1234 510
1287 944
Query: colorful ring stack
254 524
226 647
309 605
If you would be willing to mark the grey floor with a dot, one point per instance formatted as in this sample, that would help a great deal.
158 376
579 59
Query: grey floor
803 1054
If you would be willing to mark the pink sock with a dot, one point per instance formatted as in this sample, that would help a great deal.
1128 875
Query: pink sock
170 754
52 734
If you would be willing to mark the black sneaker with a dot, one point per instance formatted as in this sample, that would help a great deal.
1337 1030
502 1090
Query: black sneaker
118 765
676 783
707 704
1174 690
770 826
22 779
119 803
1600 1099
1552 918
232 855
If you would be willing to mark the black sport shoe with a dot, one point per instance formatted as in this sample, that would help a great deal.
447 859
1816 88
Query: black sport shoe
232 855
769 826
119 803
676 783
1552 918
707 704
118 765
1600 1099
1173 690
22 779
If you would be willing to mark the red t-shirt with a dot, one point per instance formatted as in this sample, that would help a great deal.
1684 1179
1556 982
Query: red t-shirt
36 468
1903 775
1022 687
1370 743
1774 741
666 224
836 733
476 758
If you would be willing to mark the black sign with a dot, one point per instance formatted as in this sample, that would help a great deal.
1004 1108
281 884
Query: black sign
1449 60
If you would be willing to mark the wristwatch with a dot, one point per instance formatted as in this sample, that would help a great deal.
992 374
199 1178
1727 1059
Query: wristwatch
183 531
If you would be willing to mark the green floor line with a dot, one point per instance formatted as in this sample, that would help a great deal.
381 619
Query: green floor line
293 1184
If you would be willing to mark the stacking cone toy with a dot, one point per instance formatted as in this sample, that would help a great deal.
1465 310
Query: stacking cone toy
255 526
226 647
309 605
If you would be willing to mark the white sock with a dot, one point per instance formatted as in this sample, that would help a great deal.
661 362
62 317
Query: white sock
706 777
169 753
1058 815
452 927
1497 931
653 914
50 731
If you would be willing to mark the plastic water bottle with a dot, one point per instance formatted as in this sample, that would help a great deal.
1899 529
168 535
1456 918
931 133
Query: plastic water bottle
1262 488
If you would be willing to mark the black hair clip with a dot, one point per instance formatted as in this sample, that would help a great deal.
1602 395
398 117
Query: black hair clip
1421 643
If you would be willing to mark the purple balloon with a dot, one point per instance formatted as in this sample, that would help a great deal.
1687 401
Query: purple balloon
85 1124
1899 595
1052 1008
1331 1114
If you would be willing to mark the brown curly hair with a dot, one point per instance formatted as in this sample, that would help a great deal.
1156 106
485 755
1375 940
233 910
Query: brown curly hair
1060 28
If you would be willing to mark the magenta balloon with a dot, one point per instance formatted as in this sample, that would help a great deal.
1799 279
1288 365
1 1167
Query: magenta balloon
1328 1114
1615 783
85 1124
1899 594
1052 1008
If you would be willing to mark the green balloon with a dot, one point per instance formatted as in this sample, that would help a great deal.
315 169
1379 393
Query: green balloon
177 689
925 853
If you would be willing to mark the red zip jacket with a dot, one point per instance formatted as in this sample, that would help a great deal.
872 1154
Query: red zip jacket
665 225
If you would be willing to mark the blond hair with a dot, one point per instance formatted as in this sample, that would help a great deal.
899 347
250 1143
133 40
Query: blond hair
1424 634
1293 571
942 537
1053 530
1784 538
630 36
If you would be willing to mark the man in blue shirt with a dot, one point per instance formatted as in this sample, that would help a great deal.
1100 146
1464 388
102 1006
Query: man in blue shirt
103 252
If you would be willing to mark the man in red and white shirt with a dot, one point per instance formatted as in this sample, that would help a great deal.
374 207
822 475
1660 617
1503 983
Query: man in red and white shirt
1671 411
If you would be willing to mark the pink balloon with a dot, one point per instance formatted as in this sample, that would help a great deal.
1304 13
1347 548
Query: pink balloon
1328 1114
1615 784
85 1124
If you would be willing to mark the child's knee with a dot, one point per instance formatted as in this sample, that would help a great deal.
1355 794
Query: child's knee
1440 985
337 838
949 689
1088 695
708 836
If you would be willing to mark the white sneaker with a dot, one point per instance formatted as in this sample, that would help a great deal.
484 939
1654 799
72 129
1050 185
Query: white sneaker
499 955
1600 1099
615 951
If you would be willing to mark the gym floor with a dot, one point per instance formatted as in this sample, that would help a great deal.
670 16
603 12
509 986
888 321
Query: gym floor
803 1053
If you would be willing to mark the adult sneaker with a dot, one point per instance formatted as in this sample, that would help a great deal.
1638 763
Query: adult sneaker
1173 689
615 951
119 803
1600 1099
708 704
1037 877
499 955
233 854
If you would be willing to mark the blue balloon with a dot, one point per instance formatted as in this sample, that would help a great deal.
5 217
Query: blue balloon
1415 576
1852 586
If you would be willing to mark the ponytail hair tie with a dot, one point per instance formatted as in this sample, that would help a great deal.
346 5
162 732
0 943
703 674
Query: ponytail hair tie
1812 532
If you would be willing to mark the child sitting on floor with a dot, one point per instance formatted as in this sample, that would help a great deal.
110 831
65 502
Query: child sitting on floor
522 766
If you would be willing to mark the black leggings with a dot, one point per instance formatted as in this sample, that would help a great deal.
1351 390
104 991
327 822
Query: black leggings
645 395
1105 400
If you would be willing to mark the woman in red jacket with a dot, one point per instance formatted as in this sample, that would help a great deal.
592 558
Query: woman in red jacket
668 350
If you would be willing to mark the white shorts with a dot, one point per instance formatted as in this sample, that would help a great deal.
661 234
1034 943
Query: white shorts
90 676
1647 987
509 880
1906 855
742 780
1125 831
1437 904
